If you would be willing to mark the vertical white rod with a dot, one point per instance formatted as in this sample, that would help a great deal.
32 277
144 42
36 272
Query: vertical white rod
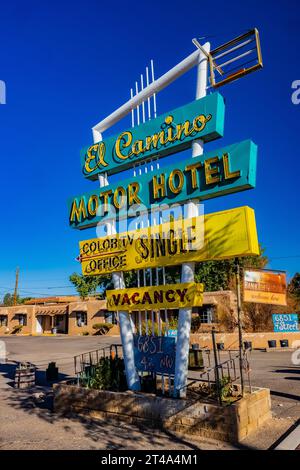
132 111
138 107
154 94
188 269
126 331
148 99
143 103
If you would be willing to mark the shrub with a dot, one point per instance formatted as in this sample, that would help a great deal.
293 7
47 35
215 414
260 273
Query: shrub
173 323
17 329
85 333
109 374
102 328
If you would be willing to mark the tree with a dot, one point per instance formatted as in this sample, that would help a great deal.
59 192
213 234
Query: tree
219 275
294 287
85 285
8 300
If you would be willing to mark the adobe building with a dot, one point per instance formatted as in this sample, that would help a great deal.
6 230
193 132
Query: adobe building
64 315
70 315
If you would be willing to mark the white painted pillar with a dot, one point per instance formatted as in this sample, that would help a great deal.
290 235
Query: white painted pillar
126 329
188 269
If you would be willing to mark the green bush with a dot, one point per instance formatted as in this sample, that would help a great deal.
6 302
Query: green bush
173 323
85 333
225 388
102 328
109 374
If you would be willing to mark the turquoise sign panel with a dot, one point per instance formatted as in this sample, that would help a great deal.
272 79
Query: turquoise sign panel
285 322
168 133
216 173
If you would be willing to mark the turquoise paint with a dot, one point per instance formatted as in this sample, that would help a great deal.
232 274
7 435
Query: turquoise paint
242 156
210 105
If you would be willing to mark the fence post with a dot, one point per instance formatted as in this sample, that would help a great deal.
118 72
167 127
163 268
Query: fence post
239 309
217 377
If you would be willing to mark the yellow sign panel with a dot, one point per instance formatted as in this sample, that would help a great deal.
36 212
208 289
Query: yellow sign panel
265 287
214 236
156 297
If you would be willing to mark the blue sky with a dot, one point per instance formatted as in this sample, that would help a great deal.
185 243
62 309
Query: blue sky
67 65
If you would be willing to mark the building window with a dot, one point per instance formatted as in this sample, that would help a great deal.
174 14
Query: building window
207 314
22 317
111 317
81 318
3 320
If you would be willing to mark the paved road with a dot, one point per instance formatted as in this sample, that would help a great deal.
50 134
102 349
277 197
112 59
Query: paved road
29 424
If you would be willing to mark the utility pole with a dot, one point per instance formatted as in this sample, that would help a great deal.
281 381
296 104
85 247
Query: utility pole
239 309
16 286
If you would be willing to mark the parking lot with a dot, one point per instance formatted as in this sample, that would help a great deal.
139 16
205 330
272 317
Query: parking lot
22 415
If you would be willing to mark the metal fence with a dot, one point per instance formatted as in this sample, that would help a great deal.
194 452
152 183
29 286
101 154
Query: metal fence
222 381
218 381
85 363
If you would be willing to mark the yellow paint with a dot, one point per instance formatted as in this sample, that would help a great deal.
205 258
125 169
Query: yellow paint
124 140
272 298
227 173
176 296
227 234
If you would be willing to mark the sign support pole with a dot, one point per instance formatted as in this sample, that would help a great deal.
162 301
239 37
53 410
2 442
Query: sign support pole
239 310
188 269
126 330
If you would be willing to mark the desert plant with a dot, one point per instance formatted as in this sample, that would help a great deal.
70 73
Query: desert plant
102 328
109 375
17 329
173 323
224 387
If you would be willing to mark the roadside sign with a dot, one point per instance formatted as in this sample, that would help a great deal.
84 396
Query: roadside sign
285 322
173 243
154 354
265 286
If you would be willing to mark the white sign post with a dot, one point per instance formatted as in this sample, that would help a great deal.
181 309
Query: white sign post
188 269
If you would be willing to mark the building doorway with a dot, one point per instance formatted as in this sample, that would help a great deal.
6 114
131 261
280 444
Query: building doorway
39 324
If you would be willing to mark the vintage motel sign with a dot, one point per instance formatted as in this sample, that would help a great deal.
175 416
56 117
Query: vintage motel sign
167 134
227 234
215 173
183 295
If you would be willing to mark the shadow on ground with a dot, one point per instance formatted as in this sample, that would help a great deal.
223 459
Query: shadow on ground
109 434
